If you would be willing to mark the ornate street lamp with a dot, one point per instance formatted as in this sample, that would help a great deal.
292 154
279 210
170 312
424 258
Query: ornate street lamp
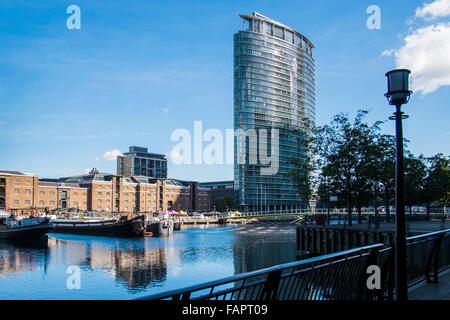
398 94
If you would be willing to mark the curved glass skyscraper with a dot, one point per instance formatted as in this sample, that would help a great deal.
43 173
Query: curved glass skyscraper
273 90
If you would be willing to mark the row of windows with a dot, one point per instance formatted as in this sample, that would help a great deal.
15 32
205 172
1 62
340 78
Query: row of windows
272 98
242 105
17 182
27 191
272 81
278 54
292 79
270 41
279 32
294 66
295 116
245 60
297 57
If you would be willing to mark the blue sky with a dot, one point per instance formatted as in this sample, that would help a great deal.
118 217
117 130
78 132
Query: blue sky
138 70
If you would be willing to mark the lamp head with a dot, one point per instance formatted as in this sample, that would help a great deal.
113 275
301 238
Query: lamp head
398 86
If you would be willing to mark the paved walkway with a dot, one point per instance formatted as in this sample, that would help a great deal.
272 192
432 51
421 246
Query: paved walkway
432 291
413 227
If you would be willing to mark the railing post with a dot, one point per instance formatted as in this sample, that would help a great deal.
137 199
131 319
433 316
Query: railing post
434 260
270 289
363 292
391 273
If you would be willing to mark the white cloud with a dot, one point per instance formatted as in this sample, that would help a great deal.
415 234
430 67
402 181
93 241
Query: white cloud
436 9
165 110
109 155
387 53
426 49
426 54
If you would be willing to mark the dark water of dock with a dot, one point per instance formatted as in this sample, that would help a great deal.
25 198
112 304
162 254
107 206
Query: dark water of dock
114 268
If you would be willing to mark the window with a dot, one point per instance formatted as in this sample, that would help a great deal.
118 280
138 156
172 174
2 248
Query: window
42 193
268 28
75 204
41 203
289 36
52 193
99 201
99 194
278 32
16 202
75 194
27 202
27 191
16 191
52 203
85 203
108 193
255 29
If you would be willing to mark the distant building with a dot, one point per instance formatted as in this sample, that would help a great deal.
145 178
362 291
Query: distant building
219 189
102 192
139 162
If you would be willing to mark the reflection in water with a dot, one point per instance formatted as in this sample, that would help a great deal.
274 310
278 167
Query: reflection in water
115 268
22 257
130 261
259 246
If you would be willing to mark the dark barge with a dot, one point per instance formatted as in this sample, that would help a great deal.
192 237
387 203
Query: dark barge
123 227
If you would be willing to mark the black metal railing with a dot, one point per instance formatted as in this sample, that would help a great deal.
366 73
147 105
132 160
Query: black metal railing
337 276
427 256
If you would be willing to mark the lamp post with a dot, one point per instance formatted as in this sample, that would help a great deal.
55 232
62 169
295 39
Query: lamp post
398 94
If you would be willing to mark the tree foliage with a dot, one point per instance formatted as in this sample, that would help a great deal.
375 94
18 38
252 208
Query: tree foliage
355 162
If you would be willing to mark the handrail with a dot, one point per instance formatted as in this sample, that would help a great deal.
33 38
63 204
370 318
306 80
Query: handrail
246 275
427 235
326 276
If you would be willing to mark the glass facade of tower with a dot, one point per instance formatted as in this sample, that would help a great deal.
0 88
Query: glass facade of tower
273 89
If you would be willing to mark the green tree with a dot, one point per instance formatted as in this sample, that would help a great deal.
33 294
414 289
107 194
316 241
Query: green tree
383 169
414 179
437 182
345 150
221 204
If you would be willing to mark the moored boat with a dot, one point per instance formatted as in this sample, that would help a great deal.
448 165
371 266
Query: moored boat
33 228
160 227
123 227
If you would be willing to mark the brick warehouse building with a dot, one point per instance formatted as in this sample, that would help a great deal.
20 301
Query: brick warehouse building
100 192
